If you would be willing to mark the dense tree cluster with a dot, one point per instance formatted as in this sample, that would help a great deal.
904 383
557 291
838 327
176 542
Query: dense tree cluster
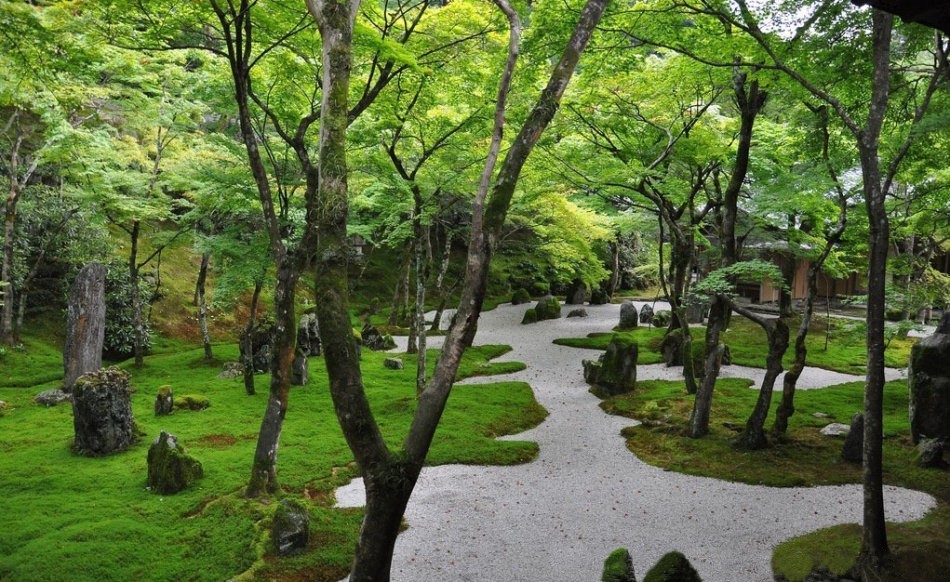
472 143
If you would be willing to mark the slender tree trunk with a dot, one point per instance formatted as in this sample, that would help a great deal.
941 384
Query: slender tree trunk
248 343
874 544
681 251
422 275
440 278
138 323
203 306
264 470
6 271
613 248
398 289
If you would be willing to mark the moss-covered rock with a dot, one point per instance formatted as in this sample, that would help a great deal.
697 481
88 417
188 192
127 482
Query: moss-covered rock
170 469
548 308
615 372
375 340
164 401
599 296
102 412
618 567
192 402
673 567
520 296
929 384
662 318
290 528
530 316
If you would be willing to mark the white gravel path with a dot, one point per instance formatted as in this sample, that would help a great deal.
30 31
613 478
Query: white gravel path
556 519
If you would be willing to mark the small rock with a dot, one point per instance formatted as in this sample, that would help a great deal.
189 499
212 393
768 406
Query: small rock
164 401
646 315
672 567
853 449
231 370
835 429
50 398
820 415
290 529
375 340
170 469
577 313
530 316
393 364
192 402
931 453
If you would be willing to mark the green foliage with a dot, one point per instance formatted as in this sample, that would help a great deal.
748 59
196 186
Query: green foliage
209 531
520 296
723 281
120 329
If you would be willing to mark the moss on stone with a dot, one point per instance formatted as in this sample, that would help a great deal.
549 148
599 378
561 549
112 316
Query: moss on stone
520 296
192 402
530 316
618 567
672 567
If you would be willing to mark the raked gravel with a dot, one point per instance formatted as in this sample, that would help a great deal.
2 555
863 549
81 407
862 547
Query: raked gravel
556 519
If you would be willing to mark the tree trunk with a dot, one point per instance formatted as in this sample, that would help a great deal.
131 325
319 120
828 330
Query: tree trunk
753 437
248 344
874 544
681 251
613 247
138 324
388 483
264 470
398 289
422 275
203 306
6 271
440 278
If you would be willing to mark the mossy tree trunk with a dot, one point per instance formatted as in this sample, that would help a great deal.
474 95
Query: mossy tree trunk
753 437
750 102
203 305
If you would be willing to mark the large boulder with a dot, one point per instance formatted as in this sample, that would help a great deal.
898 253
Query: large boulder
290 528
646 314
170 468
231 370
548 307
615 372
662 318
695 312
261 344
576 293
375 340
599 296
102 413
618 567
393 364
308 335
853 449
929 384
629 318
85 324
673 567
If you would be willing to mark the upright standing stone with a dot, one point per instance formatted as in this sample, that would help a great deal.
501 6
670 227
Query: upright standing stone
929 383
628 316
695 312
102 412
548 307
170 469
308 335
290 529
576 293
853 450
615 372
164 401
618 567
299 369
85 324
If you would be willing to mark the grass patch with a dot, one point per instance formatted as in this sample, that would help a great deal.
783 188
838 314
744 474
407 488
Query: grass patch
747 343
97 516
803 458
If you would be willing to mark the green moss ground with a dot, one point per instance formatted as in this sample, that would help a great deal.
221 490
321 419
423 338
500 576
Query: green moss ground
94 518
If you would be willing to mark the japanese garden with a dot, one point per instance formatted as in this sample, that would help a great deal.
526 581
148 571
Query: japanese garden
444 290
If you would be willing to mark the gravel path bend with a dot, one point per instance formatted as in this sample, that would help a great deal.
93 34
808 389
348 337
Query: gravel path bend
556 519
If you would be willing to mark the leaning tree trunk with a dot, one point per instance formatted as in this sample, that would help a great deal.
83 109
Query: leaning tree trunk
440 279
264 469
681 252
249 343
753 437
390 478
203 306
